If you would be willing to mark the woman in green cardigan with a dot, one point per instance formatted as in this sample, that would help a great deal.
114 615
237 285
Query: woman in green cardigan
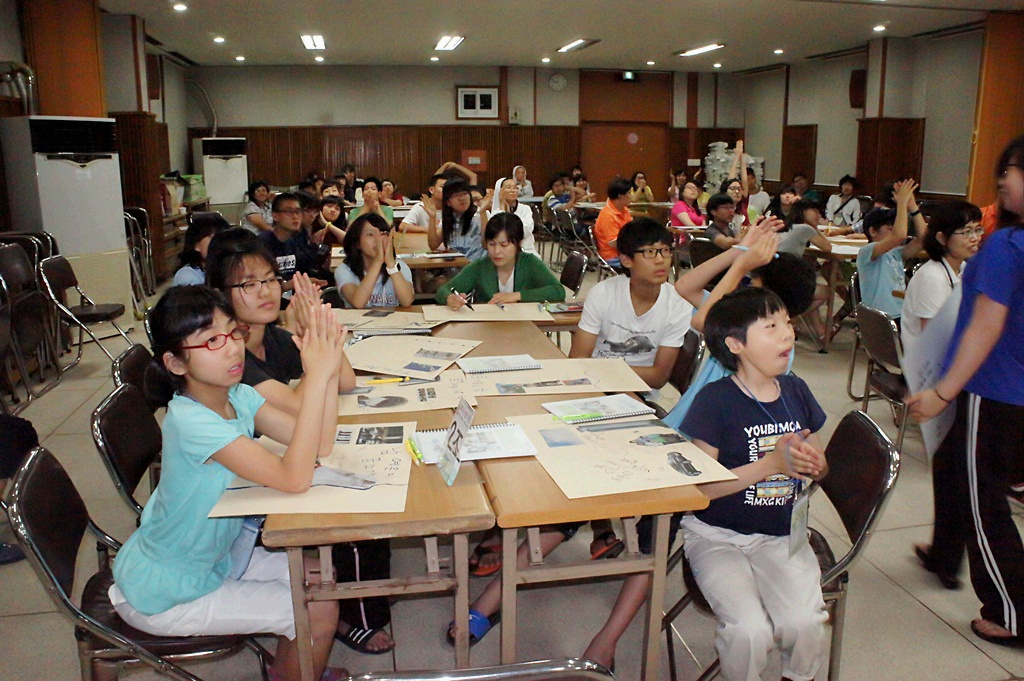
507 274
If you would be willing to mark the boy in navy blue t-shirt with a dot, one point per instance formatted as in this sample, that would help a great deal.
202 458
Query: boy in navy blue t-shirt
759 423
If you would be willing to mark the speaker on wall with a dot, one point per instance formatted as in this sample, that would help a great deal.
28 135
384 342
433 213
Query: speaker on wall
858 88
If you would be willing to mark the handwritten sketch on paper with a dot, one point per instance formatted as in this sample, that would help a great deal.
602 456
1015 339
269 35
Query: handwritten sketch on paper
366 472
922 367
482 312
390 398
412 356
559 376
613 457
362 321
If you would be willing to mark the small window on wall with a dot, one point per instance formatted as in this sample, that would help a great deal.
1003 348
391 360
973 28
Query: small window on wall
477 102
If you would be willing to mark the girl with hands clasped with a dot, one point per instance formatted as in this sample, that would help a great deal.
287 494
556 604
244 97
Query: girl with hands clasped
185 574
371 275
983 453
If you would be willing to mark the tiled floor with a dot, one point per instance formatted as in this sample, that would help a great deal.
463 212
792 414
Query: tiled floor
900 626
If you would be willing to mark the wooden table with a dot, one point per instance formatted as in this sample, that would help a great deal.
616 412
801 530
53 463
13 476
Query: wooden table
411 243
841 252
523 495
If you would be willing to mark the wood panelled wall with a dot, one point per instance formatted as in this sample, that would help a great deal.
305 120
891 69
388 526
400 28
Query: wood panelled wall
799 151
144 156
408 155
888 149
606 98
9 107
687 143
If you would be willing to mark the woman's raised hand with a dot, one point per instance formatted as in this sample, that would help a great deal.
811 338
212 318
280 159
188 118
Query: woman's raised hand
387 246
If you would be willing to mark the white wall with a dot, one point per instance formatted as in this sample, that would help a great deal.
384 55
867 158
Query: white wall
705 102
945 91
819 95
10 32
679 99
762 117
173 112
874 80
343 95
899 78
120 62
521 81
732 96
558 108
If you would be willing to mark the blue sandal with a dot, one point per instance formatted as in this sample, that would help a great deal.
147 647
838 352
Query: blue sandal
479 625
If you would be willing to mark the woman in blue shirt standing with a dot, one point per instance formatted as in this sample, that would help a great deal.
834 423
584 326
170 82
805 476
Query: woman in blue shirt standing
983 454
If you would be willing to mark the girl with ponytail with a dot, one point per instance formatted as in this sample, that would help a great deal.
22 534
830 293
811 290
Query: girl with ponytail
183 573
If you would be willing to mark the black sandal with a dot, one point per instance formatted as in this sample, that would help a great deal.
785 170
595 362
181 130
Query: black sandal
357 639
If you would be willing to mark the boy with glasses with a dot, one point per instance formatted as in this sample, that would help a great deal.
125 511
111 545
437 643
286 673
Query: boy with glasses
288 241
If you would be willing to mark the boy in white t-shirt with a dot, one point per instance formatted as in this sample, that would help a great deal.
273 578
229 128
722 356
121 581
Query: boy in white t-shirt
418 220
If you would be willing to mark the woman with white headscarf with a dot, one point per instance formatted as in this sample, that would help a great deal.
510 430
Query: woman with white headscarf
506 200
523 186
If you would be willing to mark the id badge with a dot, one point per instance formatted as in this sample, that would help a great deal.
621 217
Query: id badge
798 522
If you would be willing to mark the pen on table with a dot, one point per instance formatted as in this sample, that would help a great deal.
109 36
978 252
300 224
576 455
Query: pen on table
745 248
414 452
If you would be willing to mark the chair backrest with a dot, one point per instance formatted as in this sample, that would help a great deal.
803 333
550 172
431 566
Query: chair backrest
573 271
58 275
129 367
16 269
862 469
866 204
687 361
32 244
128 439
332 296
50 519
564 222
141 216
702 250
880 337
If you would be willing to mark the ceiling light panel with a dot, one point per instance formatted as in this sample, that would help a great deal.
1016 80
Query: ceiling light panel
579 44
449 42
313 42
701 50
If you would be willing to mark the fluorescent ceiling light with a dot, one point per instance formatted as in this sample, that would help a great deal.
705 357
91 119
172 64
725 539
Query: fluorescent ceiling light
435 59
546 60
218 39
313 42
778 51
879 28
449 42
717 66
318 58
239 58
180 7
701 50
579 44
650 63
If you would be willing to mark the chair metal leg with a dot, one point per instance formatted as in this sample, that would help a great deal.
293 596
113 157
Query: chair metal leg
867 387
904 417
836 648
853 362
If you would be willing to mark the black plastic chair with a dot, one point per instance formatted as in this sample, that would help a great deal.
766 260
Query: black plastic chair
702 250
58 276
573 271
863 466
50 521
31 319
129 368
880 338
332 296
691 353
128 439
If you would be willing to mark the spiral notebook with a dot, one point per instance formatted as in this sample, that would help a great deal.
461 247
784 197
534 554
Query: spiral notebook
491 441
486 365
597 408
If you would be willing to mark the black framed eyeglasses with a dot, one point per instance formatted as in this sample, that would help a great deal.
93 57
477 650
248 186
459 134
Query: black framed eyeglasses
256 285
652 253
240 332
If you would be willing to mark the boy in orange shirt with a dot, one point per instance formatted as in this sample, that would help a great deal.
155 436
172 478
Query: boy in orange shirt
613 216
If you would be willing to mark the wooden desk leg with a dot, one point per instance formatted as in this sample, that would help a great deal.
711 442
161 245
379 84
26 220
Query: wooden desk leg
461 570
297 572
509 577
830 302
656 600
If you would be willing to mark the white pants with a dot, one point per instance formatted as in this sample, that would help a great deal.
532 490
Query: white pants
260 602
760 595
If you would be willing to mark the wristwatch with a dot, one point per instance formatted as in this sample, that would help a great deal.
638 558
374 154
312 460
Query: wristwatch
392 270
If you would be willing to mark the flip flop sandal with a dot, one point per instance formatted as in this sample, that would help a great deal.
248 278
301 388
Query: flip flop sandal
613 546
477 570
358 639
479 625
1008 641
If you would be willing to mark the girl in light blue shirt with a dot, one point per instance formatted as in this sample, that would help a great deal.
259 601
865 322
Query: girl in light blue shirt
183 573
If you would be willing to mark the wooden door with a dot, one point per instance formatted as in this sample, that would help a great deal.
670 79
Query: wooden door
610 149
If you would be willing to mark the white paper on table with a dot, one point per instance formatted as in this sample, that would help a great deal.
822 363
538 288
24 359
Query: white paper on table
595 459
377 319
844 249
922 367
483 312
557 377
412 356
374 454
392 398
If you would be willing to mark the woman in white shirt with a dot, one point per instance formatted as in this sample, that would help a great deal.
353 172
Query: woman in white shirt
371 276
506 200
256 216
844 208
523 186
954 235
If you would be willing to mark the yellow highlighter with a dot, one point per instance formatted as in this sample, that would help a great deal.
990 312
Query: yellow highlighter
414 452
380 381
